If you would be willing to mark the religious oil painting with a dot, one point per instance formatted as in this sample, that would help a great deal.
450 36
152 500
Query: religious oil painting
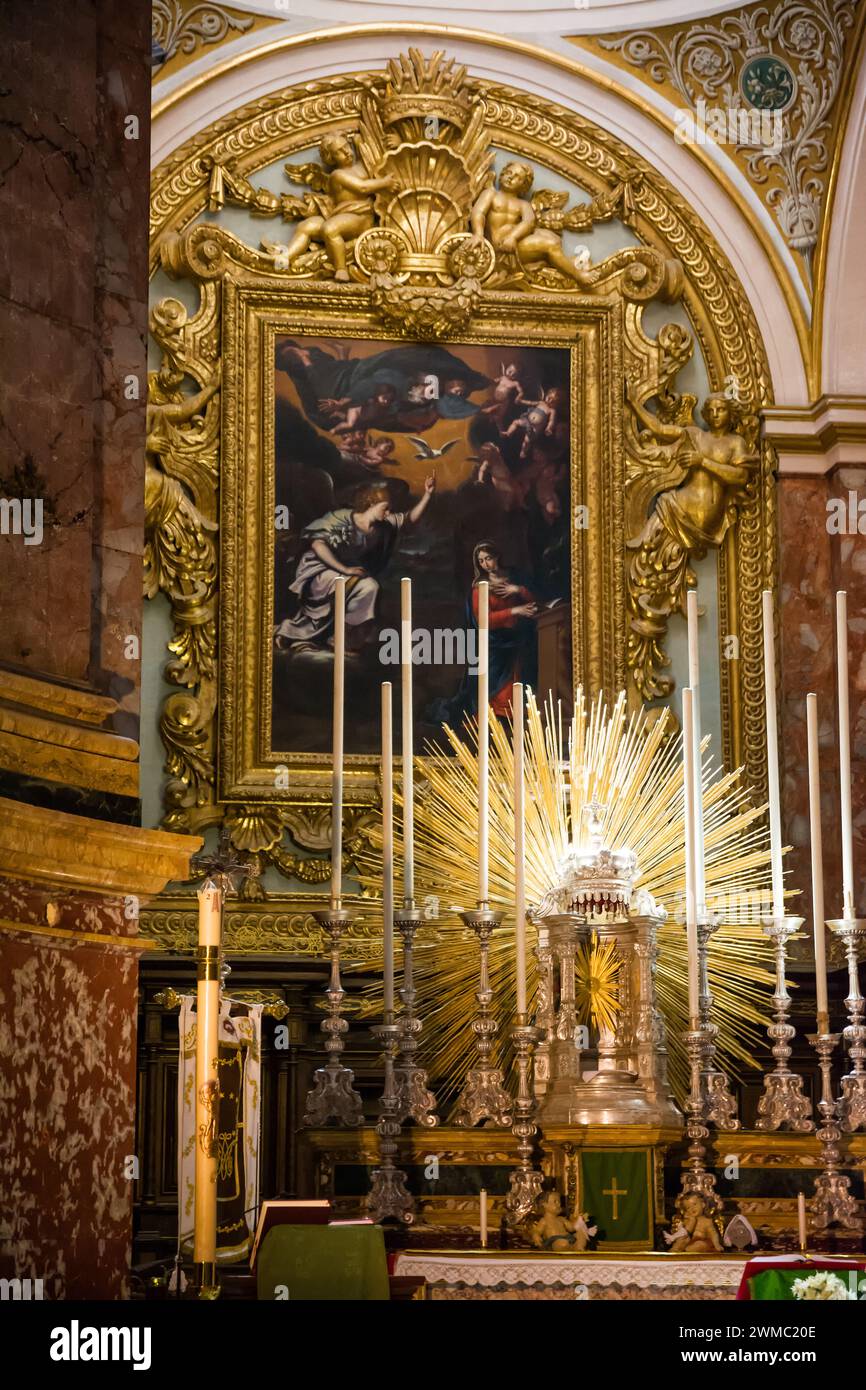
444 464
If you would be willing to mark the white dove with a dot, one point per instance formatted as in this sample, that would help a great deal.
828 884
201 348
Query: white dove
429 453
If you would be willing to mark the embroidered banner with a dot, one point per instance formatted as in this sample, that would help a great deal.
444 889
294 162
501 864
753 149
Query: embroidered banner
237 1131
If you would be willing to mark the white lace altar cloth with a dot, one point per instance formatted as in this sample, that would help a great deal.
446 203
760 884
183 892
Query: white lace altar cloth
490 1274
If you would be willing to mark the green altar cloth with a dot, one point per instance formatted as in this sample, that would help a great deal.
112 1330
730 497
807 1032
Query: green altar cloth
325 1263
616 1191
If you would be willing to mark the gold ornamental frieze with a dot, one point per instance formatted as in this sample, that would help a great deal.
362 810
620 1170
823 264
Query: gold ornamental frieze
413 211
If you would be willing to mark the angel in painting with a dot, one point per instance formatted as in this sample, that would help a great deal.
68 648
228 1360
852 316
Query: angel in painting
356 542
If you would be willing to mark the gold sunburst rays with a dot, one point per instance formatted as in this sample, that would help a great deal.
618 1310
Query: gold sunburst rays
597 967
629 768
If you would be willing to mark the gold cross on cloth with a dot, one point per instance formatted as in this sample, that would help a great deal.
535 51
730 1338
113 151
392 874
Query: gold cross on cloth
615 1192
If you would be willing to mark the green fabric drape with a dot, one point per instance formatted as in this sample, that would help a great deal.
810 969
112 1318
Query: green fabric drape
325 1263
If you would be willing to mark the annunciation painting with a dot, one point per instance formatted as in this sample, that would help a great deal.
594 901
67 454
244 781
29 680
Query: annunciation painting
443 464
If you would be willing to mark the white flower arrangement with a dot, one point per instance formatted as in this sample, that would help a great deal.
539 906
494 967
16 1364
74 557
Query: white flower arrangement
822 1285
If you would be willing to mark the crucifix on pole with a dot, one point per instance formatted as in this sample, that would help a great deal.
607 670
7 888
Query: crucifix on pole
222 866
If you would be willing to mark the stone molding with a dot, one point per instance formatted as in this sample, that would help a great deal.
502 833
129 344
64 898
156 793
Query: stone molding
830 433
77 854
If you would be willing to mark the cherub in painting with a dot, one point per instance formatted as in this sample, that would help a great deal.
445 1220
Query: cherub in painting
508 392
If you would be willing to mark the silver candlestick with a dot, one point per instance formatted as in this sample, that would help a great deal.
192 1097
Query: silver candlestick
414 1100
852 1104
388 1195
333 1096
833 1204
721 1105
694 1177
525 1180
783 1104
483 1096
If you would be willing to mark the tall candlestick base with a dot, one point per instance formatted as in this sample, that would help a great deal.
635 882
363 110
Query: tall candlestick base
783 1104
695 1180
852 1104
206 1280
389 1197
414 1100
333 1098
721 1104
525 1180
484 1096
833 1203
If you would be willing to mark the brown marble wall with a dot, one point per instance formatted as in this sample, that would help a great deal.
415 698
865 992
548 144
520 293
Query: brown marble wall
74 190
67 1090
73 287
813 564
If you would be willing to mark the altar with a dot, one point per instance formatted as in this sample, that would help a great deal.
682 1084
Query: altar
537 1276
555 903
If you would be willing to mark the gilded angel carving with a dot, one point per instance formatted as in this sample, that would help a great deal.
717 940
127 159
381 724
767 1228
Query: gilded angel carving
683 504
345 203
332 216
178 550
525 230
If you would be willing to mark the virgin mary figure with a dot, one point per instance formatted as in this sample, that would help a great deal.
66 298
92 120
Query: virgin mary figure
512 654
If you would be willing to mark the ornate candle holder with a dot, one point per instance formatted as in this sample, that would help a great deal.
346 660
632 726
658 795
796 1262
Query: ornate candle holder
721 1105
833 1203
694 1177
525 1180
333 1096
483 1096
388 1196
783 1104
414 1100
852 1104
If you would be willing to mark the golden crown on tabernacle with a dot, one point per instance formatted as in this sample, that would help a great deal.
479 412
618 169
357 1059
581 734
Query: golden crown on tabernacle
593 879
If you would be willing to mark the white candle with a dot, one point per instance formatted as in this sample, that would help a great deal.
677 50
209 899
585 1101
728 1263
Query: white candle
844 754
691 897
483 1215
773 759
817 864
207 1076
388 845
801 1219
407 749
483 737
519 848
695 684
337 771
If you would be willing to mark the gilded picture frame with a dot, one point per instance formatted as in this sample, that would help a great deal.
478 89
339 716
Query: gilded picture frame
590 329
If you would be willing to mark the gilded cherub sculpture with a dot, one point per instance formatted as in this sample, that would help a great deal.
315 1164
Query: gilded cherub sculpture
332 216
530 229
554 1231
345 202
696 491
504 215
